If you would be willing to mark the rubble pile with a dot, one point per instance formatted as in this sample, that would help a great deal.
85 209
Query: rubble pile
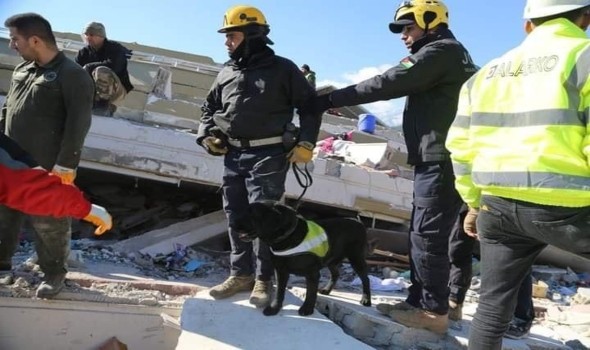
140 205
184 265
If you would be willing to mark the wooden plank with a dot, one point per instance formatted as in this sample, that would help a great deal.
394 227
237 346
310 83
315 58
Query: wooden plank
396 266
399 257
395 241
187 233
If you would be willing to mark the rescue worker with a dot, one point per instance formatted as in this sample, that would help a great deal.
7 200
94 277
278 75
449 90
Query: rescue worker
247 119
48 113
309 74
431 78
27 187
520 149
106 61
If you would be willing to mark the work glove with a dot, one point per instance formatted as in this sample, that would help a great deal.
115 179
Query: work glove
214 146
101 218
216 142
301 153
469 223
66 175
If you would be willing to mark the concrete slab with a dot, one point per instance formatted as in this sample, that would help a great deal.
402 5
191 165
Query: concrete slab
185 233
69 325
235 324
373 328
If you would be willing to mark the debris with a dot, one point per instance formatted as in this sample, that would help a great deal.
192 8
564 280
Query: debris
193 265
392 264
113 344
540 289
75 259
402 258
186 233
582 297
389 273
169 321
386 285
575 345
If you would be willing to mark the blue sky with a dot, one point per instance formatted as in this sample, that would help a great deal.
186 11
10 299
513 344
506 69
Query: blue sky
342 41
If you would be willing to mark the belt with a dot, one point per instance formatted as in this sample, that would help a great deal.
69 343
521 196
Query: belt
244 143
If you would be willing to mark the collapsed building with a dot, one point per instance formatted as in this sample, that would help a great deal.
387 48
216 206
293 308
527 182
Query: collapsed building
150 142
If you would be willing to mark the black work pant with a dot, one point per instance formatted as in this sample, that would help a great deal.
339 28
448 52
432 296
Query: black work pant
512 233
436 206
251 174
52 239
461 255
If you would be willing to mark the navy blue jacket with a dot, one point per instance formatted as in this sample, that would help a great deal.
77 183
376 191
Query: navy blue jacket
431 79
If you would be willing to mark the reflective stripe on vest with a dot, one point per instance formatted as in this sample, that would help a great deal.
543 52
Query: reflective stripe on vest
521 129
315 241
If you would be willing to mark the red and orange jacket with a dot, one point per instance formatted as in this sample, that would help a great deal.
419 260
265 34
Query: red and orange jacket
35 191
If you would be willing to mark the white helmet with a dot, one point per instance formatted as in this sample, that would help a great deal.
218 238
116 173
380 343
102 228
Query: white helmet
545 8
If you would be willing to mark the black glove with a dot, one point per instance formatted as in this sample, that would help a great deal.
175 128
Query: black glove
322 103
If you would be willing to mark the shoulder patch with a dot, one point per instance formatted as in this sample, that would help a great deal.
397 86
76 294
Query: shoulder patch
407 62
50 76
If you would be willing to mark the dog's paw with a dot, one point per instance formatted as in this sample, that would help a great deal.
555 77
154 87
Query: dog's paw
271 310
366 300
324 291
306 310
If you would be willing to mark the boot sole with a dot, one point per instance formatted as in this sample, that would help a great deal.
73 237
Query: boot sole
420 325
227 295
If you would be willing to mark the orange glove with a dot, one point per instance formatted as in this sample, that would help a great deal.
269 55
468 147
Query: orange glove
302 153
469 223
66 175
100 217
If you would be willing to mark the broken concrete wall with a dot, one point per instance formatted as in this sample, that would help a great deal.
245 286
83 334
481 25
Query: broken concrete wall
59 325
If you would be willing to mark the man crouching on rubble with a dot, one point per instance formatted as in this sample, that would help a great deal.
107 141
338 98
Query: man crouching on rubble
48 113
246 117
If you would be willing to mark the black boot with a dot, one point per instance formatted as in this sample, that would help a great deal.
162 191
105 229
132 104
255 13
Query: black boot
6 277
112 109
100 107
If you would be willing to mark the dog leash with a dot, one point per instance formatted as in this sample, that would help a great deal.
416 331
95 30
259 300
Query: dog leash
304 179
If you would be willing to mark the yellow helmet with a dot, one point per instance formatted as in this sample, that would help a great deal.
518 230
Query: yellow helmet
426 14
241 16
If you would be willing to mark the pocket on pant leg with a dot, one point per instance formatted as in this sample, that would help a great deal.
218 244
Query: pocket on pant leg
268 177
571 233
430 249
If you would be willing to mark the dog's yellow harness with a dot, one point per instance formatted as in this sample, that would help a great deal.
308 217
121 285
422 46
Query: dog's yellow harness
315 241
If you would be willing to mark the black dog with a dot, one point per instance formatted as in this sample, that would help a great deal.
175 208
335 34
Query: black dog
285 232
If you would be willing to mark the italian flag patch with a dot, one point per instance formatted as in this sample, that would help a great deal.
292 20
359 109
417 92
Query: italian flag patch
407 63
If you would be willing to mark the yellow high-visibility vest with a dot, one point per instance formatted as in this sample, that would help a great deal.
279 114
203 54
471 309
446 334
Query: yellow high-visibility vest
315 242
522 129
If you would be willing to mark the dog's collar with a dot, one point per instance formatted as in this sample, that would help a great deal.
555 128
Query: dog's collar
289 231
